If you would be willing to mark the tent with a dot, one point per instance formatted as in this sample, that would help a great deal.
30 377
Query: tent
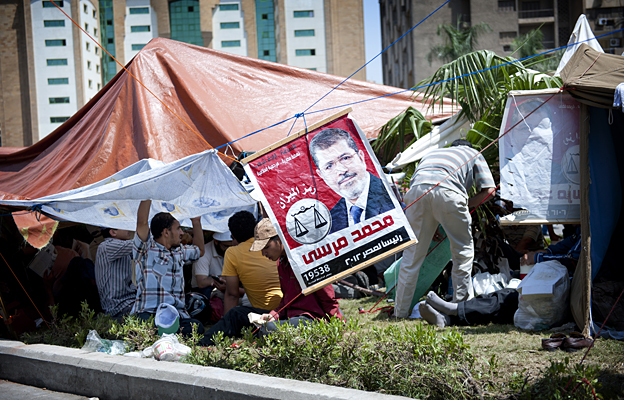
220 96
592 78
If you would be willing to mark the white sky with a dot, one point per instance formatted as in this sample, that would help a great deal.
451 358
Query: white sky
372 40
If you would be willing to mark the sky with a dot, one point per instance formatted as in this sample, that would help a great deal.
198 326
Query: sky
372 40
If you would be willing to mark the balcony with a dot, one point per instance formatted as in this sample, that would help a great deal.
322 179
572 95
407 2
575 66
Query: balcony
536 16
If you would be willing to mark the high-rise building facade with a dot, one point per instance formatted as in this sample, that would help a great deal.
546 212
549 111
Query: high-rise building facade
322 35
50 68
405 64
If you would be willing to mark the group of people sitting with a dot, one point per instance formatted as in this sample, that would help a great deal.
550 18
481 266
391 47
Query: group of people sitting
250 255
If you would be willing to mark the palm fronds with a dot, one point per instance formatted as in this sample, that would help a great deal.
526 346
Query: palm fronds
400 132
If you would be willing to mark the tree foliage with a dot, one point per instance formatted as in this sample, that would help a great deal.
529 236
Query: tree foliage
458 40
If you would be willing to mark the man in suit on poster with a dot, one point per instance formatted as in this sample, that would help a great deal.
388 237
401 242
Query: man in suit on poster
343 168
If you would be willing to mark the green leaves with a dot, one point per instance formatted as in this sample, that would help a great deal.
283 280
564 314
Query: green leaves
400 132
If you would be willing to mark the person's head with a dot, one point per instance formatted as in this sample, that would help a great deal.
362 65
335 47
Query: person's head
267 241
242 226
461 142
339 162
222 241
166 230
120 234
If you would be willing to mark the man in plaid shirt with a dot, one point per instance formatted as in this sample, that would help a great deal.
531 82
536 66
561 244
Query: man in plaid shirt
159 260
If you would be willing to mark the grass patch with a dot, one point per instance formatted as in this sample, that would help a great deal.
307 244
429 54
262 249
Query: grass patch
401 357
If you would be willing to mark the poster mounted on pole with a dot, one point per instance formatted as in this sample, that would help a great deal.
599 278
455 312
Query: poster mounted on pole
329 201
540 157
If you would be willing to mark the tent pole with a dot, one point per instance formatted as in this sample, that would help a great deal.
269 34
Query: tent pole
584 265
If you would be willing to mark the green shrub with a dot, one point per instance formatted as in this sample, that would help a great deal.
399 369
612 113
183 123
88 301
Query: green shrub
417 361
564 381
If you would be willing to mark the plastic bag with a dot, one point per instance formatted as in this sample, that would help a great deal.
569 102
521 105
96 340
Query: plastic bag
486 283
543 298
95 343
168 348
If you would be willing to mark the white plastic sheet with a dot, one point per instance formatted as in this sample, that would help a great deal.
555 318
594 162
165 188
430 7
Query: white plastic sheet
200 184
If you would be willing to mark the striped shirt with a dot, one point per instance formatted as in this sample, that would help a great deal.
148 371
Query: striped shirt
113 275
463 166
159 275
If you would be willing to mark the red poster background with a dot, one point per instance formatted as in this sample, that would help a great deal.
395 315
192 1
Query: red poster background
300 172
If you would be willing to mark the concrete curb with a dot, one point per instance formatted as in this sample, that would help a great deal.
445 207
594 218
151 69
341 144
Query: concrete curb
117 377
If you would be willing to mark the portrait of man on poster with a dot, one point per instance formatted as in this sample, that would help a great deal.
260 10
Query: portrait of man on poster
342 165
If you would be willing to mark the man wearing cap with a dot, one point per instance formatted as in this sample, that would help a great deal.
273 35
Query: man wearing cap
294 309
257 274
159 258
210 265
113 273
439 193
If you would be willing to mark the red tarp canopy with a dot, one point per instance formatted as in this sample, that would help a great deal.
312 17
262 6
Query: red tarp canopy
221 96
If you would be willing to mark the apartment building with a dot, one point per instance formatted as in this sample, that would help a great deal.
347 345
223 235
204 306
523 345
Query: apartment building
49 68
406 64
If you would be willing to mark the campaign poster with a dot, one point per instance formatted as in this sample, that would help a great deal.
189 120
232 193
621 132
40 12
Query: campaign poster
329 201
540 158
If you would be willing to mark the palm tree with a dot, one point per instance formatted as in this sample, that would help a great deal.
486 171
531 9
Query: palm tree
458 41
530 44
479 83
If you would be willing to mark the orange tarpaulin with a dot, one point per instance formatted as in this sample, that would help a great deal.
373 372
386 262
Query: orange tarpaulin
221 96
36 230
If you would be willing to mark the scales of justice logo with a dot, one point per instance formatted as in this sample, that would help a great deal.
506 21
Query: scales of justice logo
570 164
308 221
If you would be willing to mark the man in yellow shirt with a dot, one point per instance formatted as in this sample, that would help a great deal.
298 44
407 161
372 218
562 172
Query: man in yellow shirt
257 274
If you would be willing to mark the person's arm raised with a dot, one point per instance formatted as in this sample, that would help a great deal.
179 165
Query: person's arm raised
142 229
198 235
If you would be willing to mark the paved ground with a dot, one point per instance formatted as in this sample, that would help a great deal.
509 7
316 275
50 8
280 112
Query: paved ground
15 391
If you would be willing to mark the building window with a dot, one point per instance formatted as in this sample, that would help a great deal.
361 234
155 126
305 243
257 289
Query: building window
85 9
304 33
94 14
266 52
99 86
55 42
304 14
97 68
507 48
140 28
111 40
230 25
265 16
305 52
184 21
139 10
506 37
86 27
109 22
137 47
90 84
58 120
94 31
506 5
58 81
54 23
59 100
88 64
88 46
228 7
49 4
230 43
97 51
56 61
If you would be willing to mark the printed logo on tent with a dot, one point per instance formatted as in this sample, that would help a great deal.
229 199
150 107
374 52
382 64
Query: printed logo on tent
113 211
187 171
